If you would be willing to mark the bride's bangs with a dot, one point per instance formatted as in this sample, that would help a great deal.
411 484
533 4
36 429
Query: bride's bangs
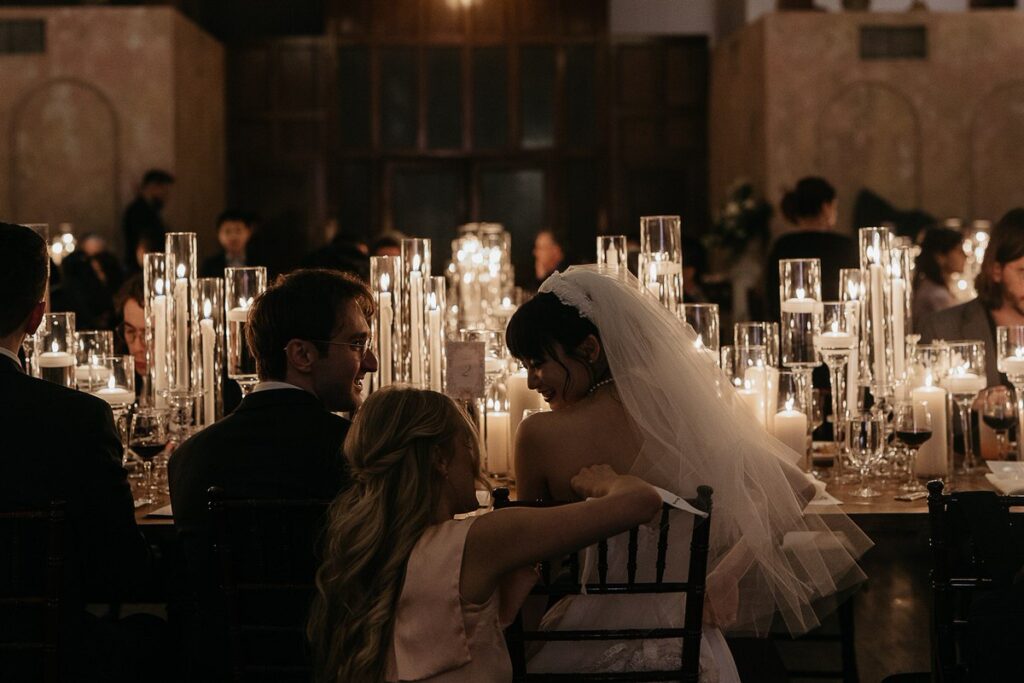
542 324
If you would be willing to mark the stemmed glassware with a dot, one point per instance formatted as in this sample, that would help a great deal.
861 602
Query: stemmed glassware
148 438
965 379
90 345
1010 347
241 287
999 413
866 442
835 343
912 423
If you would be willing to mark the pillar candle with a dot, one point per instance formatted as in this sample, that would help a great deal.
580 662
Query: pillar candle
386 317
416 321
209 388
752 400
931 458
878 323
612 257
899 341
1013 365
434 321
791 429
181 332
520 399
497 442
159 348
754 379
853 366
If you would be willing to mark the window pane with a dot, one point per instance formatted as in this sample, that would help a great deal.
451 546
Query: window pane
490 97
580 97
427 202
515 198
354 204
398 97
354 95
537 96
444 111
582 199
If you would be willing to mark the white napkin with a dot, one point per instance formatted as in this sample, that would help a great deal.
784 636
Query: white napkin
1006 469
165 511
1006 485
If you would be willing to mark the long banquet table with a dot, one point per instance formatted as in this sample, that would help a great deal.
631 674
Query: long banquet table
891 609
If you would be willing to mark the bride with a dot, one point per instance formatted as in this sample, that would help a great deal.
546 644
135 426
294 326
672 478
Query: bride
628 387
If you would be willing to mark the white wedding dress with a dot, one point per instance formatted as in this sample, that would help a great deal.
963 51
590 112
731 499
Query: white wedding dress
781 559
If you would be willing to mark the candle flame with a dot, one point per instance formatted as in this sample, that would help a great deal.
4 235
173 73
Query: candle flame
789 404
698 343
385 282
835 326
110 382
416 262
159 285
55 347
181 270
928 380
432 301
207 308
800 292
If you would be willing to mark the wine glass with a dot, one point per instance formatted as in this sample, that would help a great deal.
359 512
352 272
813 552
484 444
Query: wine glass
149 434
866 443
966 378
999 413
913 426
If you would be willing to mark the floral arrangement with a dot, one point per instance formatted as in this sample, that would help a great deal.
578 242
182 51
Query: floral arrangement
743 218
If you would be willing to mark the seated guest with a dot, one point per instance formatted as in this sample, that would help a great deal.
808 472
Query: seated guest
549 254
1000 300
233 233
811 209
61 444
131 338
84 292
406 592
309 333
942 254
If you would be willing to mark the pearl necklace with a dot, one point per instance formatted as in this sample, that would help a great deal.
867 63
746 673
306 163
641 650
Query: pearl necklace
600 384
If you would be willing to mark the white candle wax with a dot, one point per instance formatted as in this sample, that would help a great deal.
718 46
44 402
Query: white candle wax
159 348
238 315
752 399
801 305
878 323
181 332
755 379
899 342
834 341
853 365
416 320
791 429
434 322
662 268
91 374
1012 365
55 359
965 384
931 457
209 386
611 258
497 442
386 320
115 396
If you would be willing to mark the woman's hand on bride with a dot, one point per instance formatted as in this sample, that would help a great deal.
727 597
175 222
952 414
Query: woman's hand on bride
598 481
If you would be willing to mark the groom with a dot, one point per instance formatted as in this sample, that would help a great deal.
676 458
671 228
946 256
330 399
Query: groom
310 335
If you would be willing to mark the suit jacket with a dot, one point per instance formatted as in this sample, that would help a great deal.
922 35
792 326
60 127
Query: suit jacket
141 219
61 444
966 321
277 444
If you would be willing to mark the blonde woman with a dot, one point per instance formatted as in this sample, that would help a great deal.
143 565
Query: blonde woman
406 592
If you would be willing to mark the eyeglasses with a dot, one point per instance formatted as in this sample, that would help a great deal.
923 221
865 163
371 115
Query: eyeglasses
363 347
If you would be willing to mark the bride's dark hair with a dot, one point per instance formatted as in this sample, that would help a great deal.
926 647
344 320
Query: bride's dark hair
544 322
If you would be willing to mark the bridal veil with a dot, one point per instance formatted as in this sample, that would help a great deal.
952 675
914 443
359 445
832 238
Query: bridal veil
786 558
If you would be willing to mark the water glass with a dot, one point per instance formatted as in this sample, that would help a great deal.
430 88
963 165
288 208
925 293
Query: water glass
865 441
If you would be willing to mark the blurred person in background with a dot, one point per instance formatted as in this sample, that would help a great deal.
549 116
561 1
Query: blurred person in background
549 254
942 255
387 244
234 230
143 216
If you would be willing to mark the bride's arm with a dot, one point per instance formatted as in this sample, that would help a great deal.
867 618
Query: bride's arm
504 540
531 482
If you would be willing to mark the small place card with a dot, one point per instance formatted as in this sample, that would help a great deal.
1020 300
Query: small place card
465 369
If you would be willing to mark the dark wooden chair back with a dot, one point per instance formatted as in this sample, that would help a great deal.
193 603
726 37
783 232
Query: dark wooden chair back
692 613
977 546
267 551
31 580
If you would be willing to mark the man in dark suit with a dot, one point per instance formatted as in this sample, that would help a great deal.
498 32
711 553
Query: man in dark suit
61 444
142 221
1000 299
310 335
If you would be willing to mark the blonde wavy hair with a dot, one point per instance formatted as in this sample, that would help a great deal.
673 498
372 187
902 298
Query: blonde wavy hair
392 451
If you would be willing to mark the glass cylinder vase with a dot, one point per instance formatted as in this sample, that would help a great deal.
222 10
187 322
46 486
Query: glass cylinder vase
182 311
876 311
211 346
241 287
415 271
155 291
386 281
55 349
660 267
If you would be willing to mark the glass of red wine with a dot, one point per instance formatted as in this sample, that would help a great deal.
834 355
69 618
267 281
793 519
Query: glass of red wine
999 412
913 426
149 433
